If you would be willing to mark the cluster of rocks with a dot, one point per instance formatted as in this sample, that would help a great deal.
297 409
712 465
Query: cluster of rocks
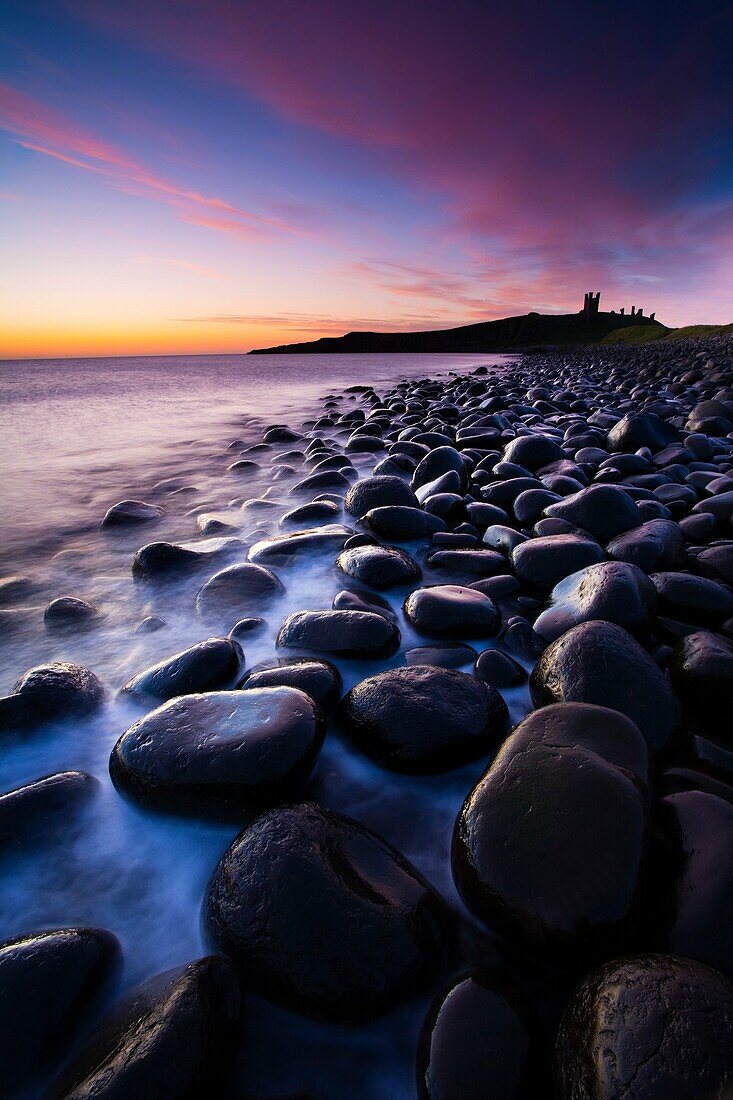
565 523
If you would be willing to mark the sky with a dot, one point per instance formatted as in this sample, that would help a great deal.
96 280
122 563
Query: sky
187 176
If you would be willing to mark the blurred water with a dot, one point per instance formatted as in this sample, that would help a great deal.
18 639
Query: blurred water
76 436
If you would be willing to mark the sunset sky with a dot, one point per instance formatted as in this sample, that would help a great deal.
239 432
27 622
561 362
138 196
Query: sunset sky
196 176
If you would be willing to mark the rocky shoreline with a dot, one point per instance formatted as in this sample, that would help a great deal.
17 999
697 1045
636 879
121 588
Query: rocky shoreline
557 535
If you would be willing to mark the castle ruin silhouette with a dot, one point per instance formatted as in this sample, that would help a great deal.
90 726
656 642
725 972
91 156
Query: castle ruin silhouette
591 306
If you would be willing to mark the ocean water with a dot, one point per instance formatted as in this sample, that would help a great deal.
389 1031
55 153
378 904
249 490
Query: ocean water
75 437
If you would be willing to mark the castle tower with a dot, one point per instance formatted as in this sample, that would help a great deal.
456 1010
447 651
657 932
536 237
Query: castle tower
591 303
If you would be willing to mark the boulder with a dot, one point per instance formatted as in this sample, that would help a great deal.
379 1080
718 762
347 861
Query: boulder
131 513
378 492
40 810
48 693
611 590
205 666
364 635
379 566
319 679
450 610
604 511
237 590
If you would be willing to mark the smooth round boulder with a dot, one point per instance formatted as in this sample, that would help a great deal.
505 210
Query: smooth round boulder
203 667
159 560
657 544
499 669
439 461
319 679
237 590
401 523
611 590
604 511
451 610
131 513
423 718
287 897
443 654
363 635
647 1027
378 492
176 1036
701 670
701 828
601 663
288 549
39 811
50 984
635 430
465 565
549 847
48 693
544 561
474 1043
379 566
69 611
533 451
692 599
228 754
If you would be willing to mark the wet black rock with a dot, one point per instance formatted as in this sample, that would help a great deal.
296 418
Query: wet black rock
475 1043
379 566
238 589
692 599
319 679
224 754
48 693
346 600
451 610
439 461
647 1027
637 430
131 513
701 669
50 983
245 628
605 511
286 549
378 492
286 899
203 667
599 662
40 810
657 544
701 825
401 523
309 513
444 655
176 1036
162 559
549 847
69 611
150 624
533 451
360 634
423 718
464 566
548 559
499 669
13 589
611 590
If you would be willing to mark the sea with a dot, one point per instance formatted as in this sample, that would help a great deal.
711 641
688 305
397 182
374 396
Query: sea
76 436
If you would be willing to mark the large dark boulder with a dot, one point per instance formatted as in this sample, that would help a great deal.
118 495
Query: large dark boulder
647 1027
423 718
401 523
378 492
637 430
204 667
319 679
548 559
48 693
323 916
657 544
43 809
611 590
450 610
364 635
379 566
50 984
131 513
549 847
225 754
174 1038
159 560
238 590
604 511
287 549
692 599
475 1043
598 662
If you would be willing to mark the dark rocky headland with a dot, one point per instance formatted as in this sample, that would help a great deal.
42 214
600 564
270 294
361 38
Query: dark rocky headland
530 596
